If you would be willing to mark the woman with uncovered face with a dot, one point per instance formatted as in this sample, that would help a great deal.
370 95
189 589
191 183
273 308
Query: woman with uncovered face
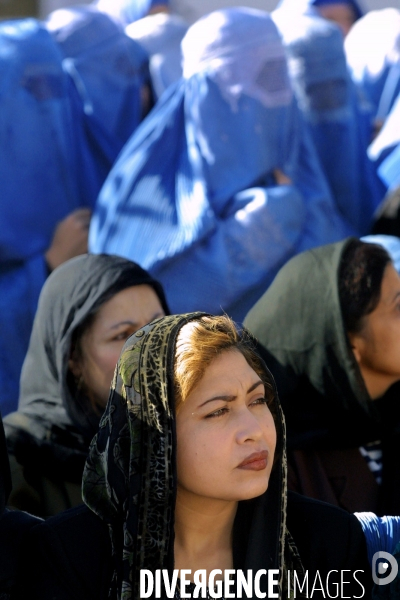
188 471
88 308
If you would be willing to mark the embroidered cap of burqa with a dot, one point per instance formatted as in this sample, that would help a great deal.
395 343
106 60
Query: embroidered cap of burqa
193 196
326 96
161 35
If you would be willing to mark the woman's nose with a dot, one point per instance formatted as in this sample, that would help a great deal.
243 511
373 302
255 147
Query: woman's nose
248 427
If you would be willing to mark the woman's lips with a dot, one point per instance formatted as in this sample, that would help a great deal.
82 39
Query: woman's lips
255 462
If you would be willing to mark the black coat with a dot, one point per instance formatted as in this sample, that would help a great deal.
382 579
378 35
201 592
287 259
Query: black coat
69 556
13 526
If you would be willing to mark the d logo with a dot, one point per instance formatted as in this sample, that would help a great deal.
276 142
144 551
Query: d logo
387 566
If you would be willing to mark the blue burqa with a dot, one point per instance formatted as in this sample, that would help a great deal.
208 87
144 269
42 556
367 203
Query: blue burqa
193 196
108 71
385 149
373 54
41 158
327 98
161 36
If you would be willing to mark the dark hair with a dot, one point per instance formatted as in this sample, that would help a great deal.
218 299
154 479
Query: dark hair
360 274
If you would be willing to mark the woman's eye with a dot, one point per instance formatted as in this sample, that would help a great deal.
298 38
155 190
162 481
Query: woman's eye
217 413
259 401
122 336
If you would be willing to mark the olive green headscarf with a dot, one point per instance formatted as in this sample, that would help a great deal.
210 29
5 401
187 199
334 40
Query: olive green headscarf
130 476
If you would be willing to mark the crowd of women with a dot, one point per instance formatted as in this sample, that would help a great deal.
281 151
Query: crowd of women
230 167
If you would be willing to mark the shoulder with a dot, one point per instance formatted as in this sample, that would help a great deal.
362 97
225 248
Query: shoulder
313 523
69 558
328 539
80 533
14 526
305 508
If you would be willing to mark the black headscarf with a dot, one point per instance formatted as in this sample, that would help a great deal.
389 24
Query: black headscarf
130 476
299 324
48 409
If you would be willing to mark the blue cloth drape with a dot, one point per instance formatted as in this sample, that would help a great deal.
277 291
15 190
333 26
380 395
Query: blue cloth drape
328 100
193 197
385 149
40 158
372 51
161 35
108 71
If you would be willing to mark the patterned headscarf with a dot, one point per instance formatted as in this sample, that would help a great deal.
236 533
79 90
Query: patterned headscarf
130 476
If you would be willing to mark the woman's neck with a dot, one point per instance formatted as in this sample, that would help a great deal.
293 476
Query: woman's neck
203 532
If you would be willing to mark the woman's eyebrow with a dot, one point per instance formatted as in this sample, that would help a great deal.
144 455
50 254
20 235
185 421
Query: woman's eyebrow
232 398
130 323
133 324
224 398
254 386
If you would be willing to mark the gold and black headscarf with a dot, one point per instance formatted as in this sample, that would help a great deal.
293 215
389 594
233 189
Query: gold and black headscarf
130 476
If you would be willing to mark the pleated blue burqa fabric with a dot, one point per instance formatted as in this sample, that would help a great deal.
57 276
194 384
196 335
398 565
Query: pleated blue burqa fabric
193 196
328 100
41 158
108 70
385 149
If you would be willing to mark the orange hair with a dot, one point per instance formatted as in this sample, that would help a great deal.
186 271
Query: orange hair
200 342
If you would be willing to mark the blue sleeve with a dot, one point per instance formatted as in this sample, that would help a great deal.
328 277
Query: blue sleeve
234 264
20 285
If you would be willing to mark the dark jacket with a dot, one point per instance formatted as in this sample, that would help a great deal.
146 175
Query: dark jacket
48 437
328 411
13 527
70 554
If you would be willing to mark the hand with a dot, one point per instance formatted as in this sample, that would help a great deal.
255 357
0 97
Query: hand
70 238
159 8
281 178
376 129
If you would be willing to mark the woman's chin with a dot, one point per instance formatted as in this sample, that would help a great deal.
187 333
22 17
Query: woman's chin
251 491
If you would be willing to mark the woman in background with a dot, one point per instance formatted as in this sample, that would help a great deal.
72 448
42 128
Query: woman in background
328 100
87 309
329 328
221 184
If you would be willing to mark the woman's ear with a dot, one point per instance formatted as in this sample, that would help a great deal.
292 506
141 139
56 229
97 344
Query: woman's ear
356 343
75 367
